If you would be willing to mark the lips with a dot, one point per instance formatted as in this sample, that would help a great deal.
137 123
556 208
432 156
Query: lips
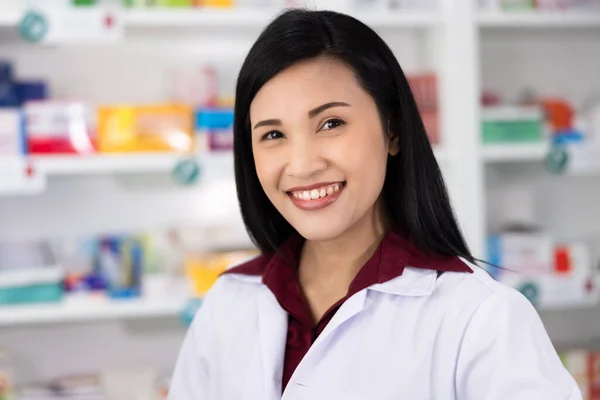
316 196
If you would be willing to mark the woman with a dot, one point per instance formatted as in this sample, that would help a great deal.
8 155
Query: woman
365 288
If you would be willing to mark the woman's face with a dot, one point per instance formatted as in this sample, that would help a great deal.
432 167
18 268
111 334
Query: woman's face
319 148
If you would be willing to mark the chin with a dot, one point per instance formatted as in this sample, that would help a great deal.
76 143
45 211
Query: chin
318 231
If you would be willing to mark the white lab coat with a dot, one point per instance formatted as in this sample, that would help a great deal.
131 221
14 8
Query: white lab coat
417 337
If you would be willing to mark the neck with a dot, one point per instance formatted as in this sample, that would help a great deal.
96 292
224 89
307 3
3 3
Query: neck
337 261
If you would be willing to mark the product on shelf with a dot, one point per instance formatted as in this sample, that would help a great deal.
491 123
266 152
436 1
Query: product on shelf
214 129
549 274
120 261
111 264
541 5
529 253
584 366
12 135
146 128
29 274
204 269
14 92
512 124
178 3
424 89
59 127
6 378
8 90
198 87
81 387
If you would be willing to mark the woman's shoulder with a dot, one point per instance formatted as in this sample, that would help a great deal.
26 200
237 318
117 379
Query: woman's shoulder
239 281
484 294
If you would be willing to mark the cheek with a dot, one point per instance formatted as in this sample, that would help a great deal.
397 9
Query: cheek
364 157
267 170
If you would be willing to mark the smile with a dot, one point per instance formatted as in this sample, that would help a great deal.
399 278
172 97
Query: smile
316 197
317 193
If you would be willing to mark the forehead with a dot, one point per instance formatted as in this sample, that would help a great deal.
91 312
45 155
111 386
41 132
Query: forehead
305 85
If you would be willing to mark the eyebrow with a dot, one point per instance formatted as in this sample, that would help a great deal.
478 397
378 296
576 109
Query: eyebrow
312 113
318 110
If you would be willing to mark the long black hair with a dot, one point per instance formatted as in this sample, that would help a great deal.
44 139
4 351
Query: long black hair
414 192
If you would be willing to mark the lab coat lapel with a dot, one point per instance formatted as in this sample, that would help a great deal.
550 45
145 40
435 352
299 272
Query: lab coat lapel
349 309
272 321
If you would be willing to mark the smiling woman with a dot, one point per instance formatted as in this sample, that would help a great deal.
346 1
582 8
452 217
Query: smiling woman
365 288
327 135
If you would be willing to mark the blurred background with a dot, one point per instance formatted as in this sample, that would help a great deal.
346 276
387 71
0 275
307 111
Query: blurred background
117 201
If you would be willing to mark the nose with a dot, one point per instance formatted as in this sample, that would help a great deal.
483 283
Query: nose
305 158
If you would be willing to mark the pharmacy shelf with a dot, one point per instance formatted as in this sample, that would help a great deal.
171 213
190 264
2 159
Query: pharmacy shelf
249 18
9 19
52 165
57 165
82 310
104 164
539 19
514 152
197 18
242 18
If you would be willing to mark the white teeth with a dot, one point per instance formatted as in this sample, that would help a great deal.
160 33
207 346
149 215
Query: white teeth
317 193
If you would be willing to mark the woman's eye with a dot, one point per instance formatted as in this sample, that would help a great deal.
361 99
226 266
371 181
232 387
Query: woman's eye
331 124
272 135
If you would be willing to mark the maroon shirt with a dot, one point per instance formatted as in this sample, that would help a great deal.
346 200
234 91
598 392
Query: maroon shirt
280 274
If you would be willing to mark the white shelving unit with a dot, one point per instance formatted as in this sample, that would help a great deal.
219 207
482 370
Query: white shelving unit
84 310
257 19
105 164
242 18
9 19
514 153
535 20
469 50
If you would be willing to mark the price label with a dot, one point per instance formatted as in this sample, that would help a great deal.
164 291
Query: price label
72 25
18 176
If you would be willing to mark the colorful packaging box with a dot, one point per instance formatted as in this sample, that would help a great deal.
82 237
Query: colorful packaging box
424 89
214 129
507 124
584 366
150 128
59 127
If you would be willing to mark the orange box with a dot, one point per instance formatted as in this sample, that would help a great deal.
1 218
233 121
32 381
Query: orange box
149 128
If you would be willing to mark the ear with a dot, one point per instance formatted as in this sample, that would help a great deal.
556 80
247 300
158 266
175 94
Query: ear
394 146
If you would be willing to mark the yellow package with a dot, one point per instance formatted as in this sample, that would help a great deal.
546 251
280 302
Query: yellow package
205 270
151 128
213 3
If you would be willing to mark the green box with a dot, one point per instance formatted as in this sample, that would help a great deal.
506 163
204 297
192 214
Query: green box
34 293
517 5
84 2
140 3
511 131
512 124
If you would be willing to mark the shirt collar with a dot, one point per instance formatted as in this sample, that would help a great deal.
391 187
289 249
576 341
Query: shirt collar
397 267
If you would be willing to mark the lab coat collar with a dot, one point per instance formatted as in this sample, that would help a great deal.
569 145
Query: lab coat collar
399 267
412 282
